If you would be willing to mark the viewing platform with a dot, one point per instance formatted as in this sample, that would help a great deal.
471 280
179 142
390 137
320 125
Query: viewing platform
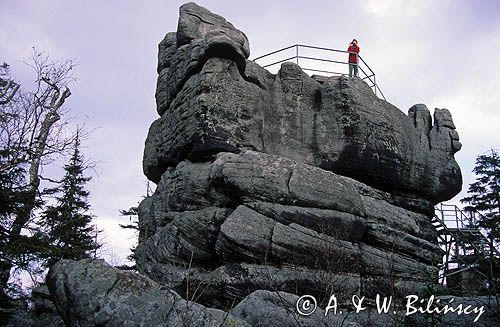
328 62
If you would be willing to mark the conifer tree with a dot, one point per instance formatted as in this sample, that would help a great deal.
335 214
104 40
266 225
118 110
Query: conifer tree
69 222
132 214
484 194
484 199
32 134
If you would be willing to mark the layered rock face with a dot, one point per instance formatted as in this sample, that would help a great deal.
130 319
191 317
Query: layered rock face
285 182
265 183
211 99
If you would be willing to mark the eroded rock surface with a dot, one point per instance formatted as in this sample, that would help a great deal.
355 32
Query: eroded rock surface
92 293
271 211
211 102
271 183
258 170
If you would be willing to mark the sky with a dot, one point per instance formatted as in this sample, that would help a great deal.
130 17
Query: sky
443 53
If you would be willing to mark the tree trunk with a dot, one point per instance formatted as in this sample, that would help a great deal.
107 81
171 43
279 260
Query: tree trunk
23 217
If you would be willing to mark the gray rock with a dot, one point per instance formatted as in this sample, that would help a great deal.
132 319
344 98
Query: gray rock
200 35
199 128
277 179
245 236
268 309
265 308
379 262
190 186
251 237
166 51
488 317
230 283
287 213
16 312
399 218
42 300
90 293
197 22
281 180
189 238
186 61
296 245
339 125
403 243
270 186
341 225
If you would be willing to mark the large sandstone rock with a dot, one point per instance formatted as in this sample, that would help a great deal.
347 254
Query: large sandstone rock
92 293
339 125
269 187
276 309
269 309
259 170
269 210
200 35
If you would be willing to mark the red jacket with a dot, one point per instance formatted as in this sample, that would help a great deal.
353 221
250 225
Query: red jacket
353 59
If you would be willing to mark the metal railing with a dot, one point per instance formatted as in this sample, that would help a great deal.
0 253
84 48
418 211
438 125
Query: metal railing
453 217
318 60
464 244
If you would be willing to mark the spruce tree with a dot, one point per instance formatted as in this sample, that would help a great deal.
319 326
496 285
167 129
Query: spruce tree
484 199
132 214
71 234
484 194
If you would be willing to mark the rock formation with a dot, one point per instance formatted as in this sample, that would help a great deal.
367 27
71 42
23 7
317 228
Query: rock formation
274 183
92 293
283 182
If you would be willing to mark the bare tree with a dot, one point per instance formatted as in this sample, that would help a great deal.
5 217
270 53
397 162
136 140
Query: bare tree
32 133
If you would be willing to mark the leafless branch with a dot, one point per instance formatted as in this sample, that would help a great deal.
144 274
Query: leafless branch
33 129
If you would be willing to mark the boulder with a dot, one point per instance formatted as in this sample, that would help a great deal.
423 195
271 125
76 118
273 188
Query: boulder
265 172
197 22
275 309
269 309
92 293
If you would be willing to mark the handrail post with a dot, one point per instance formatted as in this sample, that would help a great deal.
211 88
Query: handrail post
297 57
297 53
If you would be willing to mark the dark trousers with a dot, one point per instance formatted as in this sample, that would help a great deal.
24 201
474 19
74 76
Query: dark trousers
353 68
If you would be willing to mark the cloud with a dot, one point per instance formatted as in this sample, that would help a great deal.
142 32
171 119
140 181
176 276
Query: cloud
116 241
442 53
390 8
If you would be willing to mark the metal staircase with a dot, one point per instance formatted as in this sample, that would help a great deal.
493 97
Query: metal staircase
464 244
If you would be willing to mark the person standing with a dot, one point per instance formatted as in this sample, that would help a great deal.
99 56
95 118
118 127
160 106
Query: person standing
353 58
